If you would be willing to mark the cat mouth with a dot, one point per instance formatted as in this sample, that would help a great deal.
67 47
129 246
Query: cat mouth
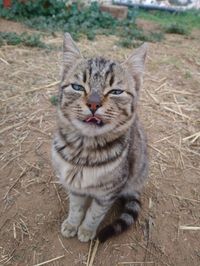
94 120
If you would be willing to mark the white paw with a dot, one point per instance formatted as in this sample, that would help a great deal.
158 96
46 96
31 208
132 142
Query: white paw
68 230
84 235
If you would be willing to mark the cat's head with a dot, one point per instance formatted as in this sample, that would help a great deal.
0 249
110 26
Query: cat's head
99 95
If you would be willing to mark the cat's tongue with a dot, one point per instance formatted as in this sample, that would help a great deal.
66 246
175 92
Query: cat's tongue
94 120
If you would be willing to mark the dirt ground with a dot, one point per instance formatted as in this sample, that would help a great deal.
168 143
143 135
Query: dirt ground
33 205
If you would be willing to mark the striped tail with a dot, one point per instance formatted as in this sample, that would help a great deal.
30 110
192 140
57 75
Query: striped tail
129 216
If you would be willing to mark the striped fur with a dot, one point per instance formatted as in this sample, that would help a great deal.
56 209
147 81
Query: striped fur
127 218
105 160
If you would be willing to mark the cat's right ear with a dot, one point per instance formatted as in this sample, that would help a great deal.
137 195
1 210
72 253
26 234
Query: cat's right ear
71 52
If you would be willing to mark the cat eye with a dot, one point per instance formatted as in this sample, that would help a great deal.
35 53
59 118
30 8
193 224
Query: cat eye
77 87
116 92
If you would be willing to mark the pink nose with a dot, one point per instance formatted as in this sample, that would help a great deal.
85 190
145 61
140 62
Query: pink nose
94 102
93 106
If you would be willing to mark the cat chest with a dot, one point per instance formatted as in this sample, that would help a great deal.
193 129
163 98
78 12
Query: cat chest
80 177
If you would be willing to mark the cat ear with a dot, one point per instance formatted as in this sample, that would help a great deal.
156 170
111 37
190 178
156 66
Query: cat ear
71 52
135 64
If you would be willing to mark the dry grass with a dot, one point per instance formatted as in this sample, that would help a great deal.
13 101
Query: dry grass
33 205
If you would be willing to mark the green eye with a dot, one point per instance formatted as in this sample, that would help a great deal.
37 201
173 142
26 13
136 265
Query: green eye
116 92
77 87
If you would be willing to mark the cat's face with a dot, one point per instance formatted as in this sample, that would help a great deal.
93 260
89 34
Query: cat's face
97 95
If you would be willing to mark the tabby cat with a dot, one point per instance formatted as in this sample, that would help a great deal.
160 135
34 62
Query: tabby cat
99 149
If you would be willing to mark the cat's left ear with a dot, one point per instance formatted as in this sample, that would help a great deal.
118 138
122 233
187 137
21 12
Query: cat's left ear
71 52
135 64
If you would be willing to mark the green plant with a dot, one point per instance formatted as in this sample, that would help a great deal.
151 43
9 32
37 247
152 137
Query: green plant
54 100
177 29
190 18
129 43
53 15
13 38
32 8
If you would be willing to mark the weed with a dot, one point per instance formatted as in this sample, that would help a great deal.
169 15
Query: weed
128 43
135 37
13 38
188 74
177 29
54 100
190 18
53 15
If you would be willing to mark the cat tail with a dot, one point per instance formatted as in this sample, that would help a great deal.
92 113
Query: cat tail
131 209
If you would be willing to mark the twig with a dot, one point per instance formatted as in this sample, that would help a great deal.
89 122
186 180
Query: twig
43 87
175 112
185 227
183 198
135 262
47 261
33 90
150 252
177 103
194 136
89 253
182 92
16 181
11 127
4 61
5 258
162 85
178 227
8 258
59 197
40 131
31 165
14 231
154 148
165 138
67 251
94 253
155 80
12 159
153 97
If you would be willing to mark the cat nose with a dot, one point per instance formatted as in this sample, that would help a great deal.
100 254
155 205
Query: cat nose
94 102
93 106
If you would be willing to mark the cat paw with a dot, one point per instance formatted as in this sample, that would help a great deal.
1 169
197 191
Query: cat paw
84 235
68 230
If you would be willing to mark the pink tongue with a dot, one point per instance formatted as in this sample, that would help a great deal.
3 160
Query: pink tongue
93 119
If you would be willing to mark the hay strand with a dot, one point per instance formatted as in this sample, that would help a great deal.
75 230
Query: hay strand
135 262
17 180
93 252
48 261
11 127
89 253
33 90
185 227
4 61
184 198
194 137
175 112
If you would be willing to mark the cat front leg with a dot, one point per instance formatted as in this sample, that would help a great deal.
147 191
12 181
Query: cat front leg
70 225
94 216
